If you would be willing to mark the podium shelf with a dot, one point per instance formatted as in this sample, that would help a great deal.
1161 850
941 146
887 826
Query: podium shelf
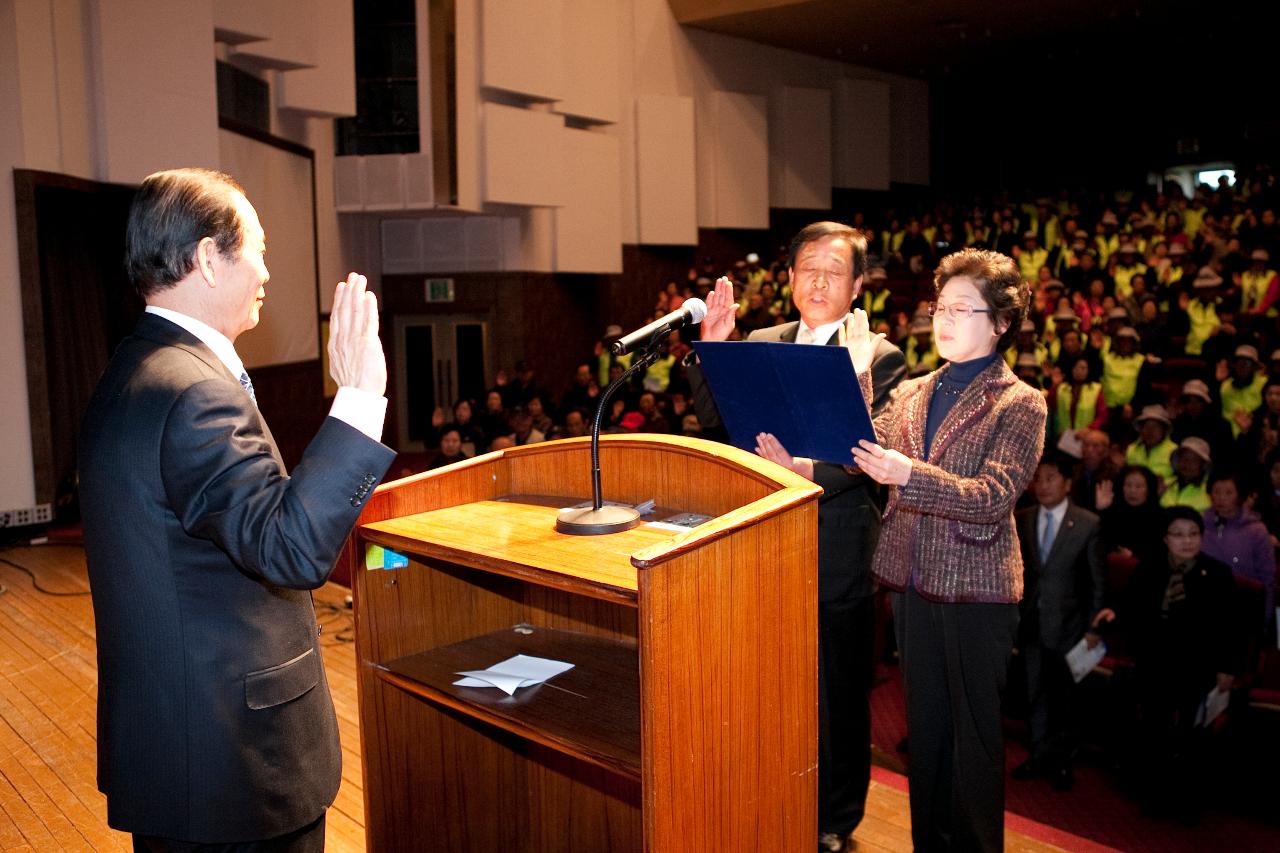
591 712
516 536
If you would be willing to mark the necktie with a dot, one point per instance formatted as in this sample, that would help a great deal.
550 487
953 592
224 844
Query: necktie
805 335
247 384
1046 540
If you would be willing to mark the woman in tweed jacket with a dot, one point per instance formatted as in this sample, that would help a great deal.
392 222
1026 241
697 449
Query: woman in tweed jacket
959 446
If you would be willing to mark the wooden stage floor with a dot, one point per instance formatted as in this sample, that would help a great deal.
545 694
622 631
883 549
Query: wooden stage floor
48 682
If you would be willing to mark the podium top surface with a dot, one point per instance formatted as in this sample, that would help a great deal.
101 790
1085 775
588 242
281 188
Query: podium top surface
513 537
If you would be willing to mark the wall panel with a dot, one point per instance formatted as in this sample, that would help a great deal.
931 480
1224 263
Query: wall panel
800 148
588 236
862 126
740 152
666 182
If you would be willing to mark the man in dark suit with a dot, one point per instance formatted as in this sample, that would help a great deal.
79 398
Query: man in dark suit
826 266
1064 577
215 724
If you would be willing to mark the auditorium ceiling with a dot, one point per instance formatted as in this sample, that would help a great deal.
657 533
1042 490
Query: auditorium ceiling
932 38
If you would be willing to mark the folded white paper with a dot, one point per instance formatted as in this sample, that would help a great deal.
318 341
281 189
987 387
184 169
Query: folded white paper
514 672
1213 705
1082 659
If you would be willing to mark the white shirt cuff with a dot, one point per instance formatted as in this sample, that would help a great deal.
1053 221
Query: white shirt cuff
360 409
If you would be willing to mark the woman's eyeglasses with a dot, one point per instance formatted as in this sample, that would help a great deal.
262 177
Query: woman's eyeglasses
957 311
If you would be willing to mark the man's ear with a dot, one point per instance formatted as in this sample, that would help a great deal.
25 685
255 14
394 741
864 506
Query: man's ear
857 286
205 251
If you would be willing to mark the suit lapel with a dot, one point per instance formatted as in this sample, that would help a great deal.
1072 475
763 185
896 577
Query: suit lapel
161 331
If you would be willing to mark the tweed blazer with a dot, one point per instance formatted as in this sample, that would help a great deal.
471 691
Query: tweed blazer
952 523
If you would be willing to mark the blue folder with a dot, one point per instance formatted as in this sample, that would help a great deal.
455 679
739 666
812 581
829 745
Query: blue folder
808 397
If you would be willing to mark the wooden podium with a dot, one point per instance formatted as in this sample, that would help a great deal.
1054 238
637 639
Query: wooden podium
689 720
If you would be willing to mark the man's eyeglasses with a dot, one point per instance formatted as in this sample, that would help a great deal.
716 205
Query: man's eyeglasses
958 311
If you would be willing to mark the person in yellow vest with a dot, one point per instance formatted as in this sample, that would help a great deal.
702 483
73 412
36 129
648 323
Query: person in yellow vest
1030 256
1202 310
1190 485
875 295
1242 392
1026 341
1259 286
1027 369
920 349
1078 405
1127 265
755 272
1121 366
1153 449
1107 240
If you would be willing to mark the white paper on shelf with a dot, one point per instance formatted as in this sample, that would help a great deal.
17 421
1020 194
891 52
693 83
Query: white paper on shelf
513 673
1082 659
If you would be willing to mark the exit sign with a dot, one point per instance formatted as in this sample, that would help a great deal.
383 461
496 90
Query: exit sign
439 289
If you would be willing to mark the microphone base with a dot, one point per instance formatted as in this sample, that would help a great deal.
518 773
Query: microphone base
585 521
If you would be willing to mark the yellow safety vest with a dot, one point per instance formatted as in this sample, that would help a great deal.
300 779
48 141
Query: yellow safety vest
1253 289
929 358
1156 459
875 303
1086 408
1245 399
1123 276
1106 247
1120 377
1194 495
1204 319
1029 263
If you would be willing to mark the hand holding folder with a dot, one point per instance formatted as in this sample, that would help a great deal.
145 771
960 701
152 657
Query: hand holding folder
808 397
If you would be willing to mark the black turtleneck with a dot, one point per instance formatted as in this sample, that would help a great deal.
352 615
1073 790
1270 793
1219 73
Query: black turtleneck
955 377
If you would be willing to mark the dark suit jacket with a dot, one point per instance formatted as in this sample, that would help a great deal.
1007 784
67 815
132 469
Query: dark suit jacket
849 509
214 717
1062 595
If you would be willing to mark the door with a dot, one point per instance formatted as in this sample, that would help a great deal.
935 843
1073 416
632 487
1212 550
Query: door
439 359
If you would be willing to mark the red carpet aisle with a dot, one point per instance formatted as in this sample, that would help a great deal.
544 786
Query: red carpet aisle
1095 815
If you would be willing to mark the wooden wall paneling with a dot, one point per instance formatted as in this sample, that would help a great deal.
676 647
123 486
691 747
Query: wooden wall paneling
291 399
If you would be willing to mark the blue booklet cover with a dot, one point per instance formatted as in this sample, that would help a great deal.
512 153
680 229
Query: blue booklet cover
808 397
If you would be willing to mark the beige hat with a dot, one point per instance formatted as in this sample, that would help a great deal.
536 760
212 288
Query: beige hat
1259 255
1193 444
919 327
1128 332
1249 352
1207 278
1065 315
1027 326
752 258
1153 413
1029 235
1053 282
1117 313
877 274
1109 218
1196 388
613 331
1177 250
1027 359
1128 248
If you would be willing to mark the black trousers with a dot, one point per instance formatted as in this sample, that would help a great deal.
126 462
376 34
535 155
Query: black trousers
307 839
955 661
1053 713
846 636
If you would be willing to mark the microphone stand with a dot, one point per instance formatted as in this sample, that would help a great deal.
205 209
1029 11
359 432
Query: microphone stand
581 521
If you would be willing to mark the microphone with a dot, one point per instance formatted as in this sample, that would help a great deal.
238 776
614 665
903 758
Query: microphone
688 314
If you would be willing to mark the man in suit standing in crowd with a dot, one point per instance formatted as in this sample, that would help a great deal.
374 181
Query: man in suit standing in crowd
1064 576
215 724
827 262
